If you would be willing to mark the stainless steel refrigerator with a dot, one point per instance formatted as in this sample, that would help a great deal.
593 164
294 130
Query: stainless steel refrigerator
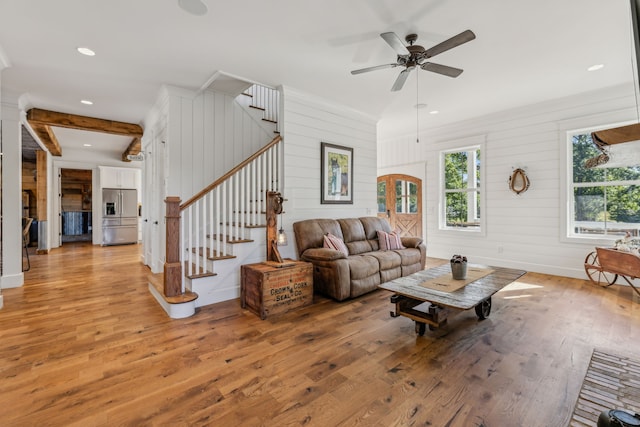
119 216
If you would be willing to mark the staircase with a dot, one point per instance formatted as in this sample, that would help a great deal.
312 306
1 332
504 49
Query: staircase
223 226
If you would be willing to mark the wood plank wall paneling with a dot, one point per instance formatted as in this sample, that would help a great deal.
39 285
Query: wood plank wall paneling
307 123
208 135
522 230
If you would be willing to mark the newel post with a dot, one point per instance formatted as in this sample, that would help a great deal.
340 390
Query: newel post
172 265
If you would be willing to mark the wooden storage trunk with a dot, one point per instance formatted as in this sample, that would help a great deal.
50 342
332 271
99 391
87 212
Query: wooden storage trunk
268 288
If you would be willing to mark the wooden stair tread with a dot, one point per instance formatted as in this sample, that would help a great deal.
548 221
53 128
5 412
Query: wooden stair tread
228 240
157 281
212 255
201 273
256 107
270 121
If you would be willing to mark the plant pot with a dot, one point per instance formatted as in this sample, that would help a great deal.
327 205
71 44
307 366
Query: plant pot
459 270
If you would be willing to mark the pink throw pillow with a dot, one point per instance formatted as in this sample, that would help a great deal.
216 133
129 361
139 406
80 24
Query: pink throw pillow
334 242
389 241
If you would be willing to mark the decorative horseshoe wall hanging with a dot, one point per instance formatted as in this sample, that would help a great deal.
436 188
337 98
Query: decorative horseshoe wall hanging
519 181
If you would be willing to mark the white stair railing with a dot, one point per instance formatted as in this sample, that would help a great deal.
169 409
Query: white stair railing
267 99
221 213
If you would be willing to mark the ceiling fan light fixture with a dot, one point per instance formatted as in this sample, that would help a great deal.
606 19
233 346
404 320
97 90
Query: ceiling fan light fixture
194 7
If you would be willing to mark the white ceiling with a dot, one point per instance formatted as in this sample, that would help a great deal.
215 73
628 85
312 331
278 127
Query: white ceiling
525 52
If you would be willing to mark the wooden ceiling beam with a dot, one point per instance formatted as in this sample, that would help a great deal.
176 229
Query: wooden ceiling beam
134 148
42 120
73 121
617 135
48 138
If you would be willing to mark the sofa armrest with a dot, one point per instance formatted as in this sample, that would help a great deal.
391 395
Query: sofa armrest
411 242
322 254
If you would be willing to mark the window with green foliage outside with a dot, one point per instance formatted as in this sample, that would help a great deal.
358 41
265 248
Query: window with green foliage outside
462 189
406 196
605 200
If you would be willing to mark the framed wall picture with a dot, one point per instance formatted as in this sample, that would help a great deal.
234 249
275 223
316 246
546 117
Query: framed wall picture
336 171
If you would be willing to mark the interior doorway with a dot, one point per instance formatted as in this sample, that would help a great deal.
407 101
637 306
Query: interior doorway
76 194
400 201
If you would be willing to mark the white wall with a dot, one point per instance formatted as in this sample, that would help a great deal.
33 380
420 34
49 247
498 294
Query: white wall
2 66
205 135
522 231
309 121
12 275
208 134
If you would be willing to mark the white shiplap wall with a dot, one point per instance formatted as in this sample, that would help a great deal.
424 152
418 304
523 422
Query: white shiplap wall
309 121
522 231
208 134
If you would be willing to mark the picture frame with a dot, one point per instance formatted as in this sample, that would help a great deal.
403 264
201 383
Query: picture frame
336 174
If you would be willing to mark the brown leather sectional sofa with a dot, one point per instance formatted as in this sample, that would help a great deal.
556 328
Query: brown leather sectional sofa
340 276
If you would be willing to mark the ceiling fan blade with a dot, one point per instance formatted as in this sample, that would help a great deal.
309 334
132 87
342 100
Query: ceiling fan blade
402 77
396 44
463 37
377 67
441 69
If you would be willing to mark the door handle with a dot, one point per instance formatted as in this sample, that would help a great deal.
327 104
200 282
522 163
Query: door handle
155 222
388 213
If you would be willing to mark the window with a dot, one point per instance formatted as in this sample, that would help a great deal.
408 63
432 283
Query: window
382 197
461 189
406 196
605 201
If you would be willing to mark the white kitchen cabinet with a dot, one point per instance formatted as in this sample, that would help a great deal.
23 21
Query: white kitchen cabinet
111 177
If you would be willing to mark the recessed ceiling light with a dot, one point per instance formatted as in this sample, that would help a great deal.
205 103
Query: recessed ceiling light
87 145
434 112
86 51
86 102
596 67
194 7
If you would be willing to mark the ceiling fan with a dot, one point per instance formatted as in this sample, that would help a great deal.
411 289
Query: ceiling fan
413 56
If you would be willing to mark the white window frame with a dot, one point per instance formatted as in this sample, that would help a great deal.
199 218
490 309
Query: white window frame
568 203
480 191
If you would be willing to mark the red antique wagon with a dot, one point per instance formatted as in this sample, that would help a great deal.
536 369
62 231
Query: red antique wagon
605 265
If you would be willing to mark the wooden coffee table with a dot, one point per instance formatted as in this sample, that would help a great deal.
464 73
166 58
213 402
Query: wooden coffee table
432 307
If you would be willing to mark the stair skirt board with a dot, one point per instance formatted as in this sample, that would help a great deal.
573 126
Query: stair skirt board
175 311
209 294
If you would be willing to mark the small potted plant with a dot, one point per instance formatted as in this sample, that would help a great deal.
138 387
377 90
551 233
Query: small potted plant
459 267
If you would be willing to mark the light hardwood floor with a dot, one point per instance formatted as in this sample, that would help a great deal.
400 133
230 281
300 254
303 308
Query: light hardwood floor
84 343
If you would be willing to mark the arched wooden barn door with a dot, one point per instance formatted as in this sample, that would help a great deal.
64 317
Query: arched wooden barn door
400 201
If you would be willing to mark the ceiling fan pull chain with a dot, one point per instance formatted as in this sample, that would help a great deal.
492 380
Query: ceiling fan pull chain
417 113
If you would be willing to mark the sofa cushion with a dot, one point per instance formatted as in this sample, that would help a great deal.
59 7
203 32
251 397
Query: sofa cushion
362 266
354 236
409 256
336 243
387 259
310 232
371 226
